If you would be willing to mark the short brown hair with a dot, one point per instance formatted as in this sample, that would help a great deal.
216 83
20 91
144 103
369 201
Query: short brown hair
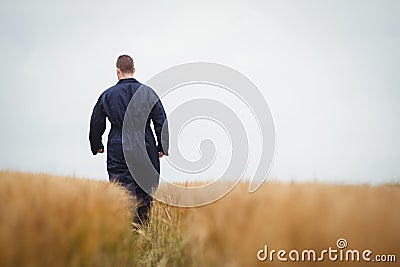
125 63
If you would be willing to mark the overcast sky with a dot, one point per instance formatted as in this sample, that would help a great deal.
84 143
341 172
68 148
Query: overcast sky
330 71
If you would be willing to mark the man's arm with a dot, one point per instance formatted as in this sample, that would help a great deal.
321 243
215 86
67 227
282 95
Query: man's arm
159 118
97 128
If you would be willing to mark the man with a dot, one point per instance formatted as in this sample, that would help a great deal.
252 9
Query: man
114 103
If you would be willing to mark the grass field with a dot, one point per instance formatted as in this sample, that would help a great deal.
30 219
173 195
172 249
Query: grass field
61 221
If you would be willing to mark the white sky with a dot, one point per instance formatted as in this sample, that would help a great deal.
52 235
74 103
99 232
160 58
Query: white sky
328 69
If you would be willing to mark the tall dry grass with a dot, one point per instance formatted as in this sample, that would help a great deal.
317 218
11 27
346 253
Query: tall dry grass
295 216
56 221
161 242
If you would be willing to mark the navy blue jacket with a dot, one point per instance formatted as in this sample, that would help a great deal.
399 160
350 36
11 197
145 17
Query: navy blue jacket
113 104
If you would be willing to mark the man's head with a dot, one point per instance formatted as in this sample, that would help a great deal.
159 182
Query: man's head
125 67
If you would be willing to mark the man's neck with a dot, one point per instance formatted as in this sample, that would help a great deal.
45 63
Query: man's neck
125 76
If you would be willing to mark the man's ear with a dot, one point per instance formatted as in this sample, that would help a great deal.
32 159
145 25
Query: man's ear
119 72
133 70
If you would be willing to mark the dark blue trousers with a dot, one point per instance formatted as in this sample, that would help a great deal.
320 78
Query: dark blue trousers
142 199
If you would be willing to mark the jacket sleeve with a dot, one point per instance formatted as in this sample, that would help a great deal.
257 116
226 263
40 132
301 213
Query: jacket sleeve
160 122
97 127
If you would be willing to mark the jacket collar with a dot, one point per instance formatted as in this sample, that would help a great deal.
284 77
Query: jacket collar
127 80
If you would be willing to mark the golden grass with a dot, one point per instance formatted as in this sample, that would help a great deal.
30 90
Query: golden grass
55 221
58 221
295 216
161 242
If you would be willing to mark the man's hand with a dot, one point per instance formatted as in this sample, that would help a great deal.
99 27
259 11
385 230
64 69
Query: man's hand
160 154
101 150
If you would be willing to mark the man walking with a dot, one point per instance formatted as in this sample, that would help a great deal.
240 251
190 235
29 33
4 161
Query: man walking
114 103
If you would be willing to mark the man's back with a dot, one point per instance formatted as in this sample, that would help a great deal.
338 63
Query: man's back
114 102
